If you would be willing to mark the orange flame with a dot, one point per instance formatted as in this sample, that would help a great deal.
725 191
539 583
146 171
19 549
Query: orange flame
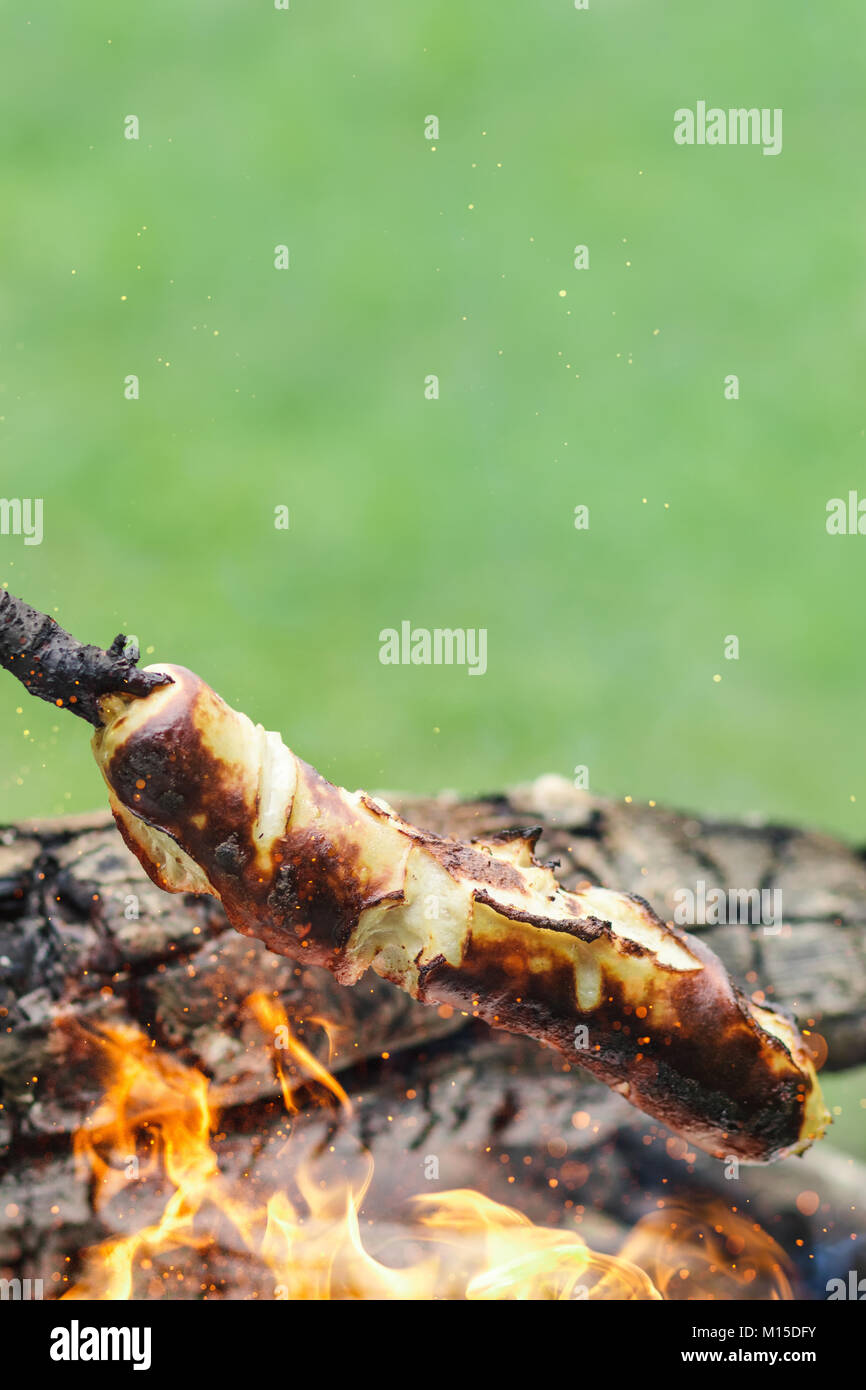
709 1251
158 1120
272 1018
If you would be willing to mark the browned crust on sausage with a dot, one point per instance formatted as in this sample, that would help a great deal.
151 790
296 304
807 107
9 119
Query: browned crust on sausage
698 1058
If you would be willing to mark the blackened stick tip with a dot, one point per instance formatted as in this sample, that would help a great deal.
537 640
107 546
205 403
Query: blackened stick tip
54 666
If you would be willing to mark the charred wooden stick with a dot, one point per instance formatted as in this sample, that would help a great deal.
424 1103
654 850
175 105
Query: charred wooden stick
211 803
54 666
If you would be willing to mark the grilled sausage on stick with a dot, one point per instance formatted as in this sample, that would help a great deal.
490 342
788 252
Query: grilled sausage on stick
211 803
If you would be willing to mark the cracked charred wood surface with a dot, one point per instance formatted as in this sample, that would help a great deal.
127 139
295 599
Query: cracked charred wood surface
85 936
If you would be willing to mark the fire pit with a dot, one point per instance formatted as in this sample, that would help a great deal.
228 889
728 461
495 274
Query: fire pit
187 1116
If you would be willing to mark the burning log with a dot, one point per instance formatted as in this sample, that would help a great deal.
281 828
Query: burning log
85 935
479 1110
212 804
474 1109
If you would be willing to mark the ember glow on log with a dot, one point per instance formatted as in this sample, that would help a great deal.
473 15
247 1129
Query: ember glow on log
211 803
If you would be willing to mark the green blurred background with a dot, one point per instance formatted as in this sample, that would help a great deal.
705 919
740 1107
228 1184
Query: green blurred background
558 387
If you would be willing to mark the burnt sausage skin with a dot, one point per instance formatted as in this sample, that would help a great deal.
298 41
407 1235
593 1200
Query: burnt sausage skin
211 803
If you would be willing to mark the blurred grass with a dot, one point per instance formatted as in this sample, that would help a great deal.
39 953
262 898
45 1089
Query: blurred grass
155 257
306 387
